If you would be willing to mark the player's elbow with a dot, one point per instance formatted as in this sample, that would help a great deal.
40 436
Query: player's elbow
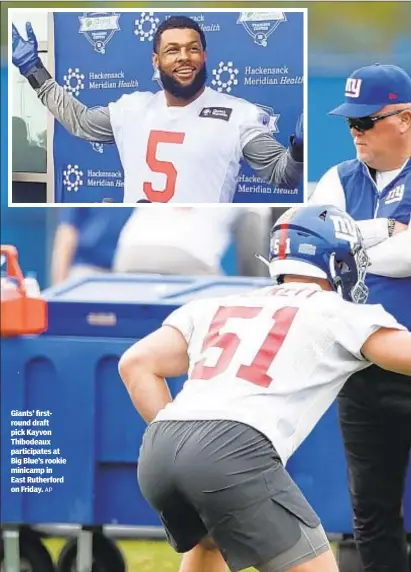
131 362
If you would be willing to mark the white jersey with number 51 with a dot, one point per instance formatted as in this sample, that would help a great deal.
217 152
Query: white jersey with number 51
274 359
187 154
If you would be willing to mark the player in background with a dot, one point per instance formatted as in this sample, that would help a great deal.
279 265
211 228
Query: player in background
182 144
263 368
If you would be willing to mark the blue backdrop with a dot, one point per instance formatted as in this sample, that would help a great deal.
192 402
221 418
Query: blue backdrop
100 56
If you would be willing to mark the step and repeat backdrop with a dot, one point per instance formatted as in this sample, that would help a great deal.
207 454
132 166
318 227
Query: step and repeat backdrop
258 56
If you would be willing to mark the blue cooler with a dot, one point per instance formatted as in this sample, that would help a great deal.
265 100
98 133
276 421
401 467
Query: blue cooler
70 374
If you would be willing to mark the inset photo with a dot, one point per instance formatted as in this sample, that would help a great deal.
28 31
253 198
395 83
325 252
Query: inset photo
125 107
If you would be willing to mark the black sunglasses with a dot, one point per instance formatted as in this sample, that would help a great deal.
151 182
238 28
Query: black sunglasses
366 123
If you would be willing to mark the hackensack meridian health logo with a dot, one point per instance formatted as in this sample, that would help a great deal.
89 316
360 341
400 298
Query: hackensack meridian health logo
260 25
146 26
72 178
73 81
225 77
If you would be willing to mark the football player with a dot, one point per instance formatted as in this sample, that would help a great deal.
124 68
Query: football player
263 367
182 144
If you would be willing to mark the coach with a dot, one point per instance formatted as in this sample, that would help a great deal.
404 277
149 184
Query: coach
375 405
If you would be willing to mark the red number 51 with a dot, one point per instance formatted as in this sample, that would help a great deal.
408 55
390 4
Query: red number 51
165 167
256 372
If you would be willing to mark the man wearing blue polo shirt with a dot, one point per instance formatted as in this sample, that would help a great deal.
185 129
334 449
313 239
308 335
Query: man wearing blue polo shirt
375 405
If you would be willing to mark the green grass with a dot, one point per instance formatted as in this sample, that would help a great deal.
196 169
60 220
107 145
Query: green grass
141 556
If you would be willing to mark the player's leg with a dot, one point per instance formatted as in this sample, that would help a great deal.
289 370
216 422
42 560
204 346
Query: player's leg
311 553
246 499
156 478
205 557
376 427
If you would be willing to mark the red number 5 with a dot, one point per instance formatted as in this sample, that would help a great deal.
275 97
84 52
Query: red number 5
165 167
256 372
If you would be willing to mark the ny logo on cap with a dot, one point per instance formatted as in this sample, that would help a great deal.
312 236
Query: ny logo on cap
353 87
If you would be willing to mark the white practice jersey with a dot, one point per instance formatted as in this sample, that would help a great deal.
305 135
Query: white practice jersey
187 154
274 359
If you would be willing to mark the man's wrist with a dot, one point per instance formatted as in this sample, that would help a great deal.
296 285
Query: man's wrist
37 75
391 226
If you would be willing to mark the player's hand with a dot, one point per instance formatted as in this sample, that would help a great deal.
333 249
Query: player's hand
297 141
299 131
25 53
399 227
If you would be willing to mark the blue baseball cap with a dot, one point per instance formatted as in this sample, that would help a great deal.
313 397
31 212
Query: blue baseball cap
371 88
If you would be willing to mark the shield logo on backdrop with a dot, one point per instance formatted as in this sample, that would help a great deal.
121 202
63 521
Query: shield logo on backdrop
99 28
260 25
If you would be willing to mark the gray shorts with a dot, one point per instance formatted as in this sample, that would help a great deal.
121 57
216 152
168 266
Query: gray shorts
225 480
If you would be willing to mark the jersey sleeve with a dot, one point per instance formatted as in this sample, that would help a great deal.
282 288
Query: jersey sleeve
356 323
253 121
183 320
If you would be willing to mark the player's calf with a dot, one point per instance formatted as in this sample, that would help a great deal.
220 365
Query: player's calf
205 557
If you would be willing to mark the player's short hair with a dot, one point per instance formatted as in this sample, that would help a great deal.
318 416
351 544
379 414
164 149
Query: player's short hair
181 22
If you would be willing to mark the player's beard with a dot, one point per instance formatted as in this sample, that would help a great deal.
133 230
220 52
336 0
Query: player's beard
184 91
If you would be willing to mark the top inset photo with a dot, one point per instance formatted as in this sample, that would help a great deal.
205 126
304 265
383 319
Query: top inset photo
159 107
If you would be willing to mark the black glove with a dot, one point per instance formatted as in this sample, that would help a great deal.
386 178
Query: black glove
297 141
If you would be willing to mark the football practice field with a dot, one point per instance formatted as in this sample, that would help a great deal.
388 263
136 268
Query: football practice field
140 556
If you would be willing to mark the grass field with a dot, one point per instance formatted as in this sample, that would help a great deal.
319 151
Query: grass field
141 556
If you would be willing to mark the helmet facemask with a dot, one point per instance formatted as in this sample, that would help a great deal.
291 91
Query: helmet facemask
349 281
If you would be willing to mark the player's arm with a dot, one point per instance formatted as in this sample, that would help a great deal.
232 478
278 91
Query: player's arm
144 367
266 156
272 162
90 124
389 349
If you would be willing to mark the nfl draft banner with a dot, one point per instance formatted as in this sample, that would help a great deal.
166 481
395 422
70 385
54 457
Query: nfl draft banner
99 56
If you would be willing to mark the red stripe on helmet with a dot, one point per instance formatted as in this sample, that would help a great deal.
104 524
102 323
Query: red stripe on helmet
282 251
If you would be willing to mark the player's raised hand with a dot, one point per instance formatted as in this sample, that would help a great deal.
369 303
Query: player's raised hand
25 54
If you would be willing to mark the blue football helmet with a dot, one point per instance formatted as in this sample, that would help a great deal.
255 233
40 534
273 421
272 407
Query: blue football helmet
320 241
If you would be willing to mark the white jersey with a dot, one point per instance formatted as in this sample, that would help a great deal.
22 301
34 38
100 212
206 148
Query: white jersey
274 359
187 154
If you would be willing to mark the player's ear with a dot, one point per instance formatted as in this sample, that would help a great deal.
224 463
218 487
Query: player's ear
155 61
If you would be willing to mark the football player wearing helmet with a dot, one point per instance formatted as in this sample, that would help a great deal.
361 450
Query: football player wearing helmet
263 367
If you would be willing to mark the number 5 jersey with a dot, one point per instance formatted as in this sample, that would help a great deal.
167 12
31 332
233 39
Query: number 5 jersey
274 359
188 154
